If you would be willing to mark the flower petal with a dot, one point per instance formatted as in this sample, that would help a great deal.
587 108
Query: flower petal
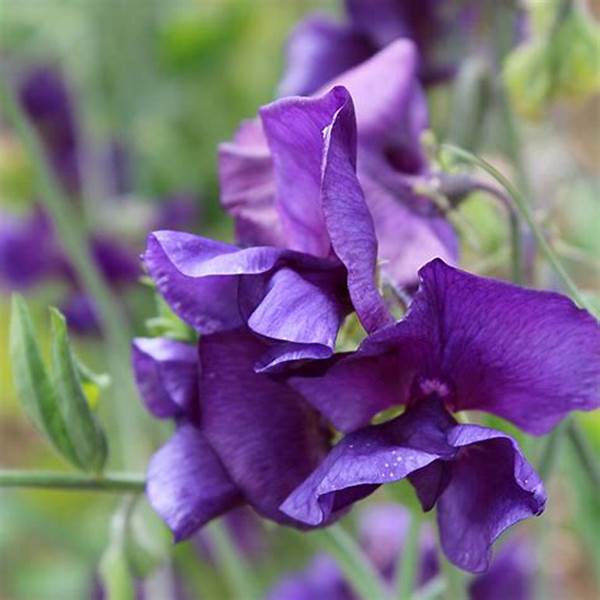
369 457
267 437
492 487
187 484
317 51
528 356
166 373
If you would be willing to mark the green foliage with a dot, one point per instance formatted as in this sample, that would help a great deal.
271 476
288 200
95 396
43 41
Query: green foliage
55 403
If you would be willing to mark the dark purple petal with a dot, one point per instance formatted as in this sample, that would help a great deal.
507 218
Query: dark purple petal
369 457
166 373
118 264
491 488
317 51
248 187
81 313
528 356
187 484
511 574
294 130
348 220
267 437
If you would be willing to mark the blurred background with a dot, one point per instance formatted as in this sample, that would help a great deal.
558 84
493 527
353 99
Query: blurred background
131 98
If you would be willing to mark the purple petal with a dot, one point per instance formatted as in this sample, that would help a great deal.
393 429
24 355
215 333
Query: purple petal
317 51
492 487
117 263
81 313
267 437
347 218
248 187
187 484
294 129
166 373
511 575
369 457
528 356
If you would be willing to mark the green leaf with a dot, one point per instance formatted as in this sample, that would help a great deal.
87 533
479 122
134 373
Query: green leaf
87 437
34 388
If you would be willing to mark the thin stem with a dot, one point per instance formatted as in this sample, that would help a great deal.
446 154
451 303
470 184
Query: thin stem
585 454
550 453
233 567
356 567
516 241
454 579
409 562
75 240
432 589
111 482
523 208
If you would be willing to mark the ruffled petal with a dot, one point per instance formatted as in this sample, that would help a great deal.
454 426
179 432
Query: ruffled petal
317 51
267 437
347 218
369 457
491 488
528 356
187 484
166 373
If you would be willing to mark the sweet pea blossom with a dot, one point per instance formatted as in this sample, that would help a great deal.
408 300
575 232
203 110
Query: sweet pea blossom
295 294
467 343
241 437
258 168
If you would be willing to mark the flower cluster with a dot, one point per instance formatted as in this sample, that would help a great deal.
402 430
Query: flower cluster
320 190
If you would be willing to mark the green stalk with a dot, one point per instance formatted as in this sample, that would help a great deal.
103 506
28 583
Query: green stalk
359 572
523 208
75 240
454 579
238 577
111 482
409 562
587 457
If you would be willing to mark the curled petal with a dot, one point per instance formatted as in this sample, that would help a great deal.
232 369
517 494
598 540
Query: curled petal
166 373
187 484
491 488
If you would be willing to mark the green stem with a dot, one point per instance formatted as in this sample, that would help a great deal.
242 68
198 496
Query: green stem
454 579
75 239
409 562
111 482
587 457
549 453
525 212
432 589
233 567
361 575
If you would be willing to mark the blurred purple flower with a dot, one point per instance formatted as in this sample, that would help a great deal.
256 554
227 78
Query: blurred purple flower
467 343
47 102
241 437
295 295
444 32
382 534
256 168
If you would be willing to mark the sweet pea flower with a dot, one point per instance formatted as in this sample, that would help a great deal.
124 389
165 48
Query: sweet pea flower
241 437
467 343
295 295
258 168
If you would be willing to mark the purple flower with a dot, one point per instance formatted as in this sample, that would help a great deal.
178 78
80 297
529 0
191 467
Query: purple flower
444 31
257 168
46 100
241 437
467 343
295 295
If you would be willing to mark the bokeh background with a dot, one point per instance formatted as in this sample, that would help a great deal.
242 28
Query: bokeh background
155 86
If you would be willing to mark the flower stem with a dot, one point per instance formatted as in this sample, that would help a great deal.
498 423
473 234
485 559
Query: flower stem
361 575
454 579
111 482
525 211
584 452
238 578
407 569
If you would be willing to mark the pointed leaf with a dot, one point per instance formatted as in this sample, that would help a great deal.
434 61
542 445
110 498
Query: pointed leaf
87 436
34 388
